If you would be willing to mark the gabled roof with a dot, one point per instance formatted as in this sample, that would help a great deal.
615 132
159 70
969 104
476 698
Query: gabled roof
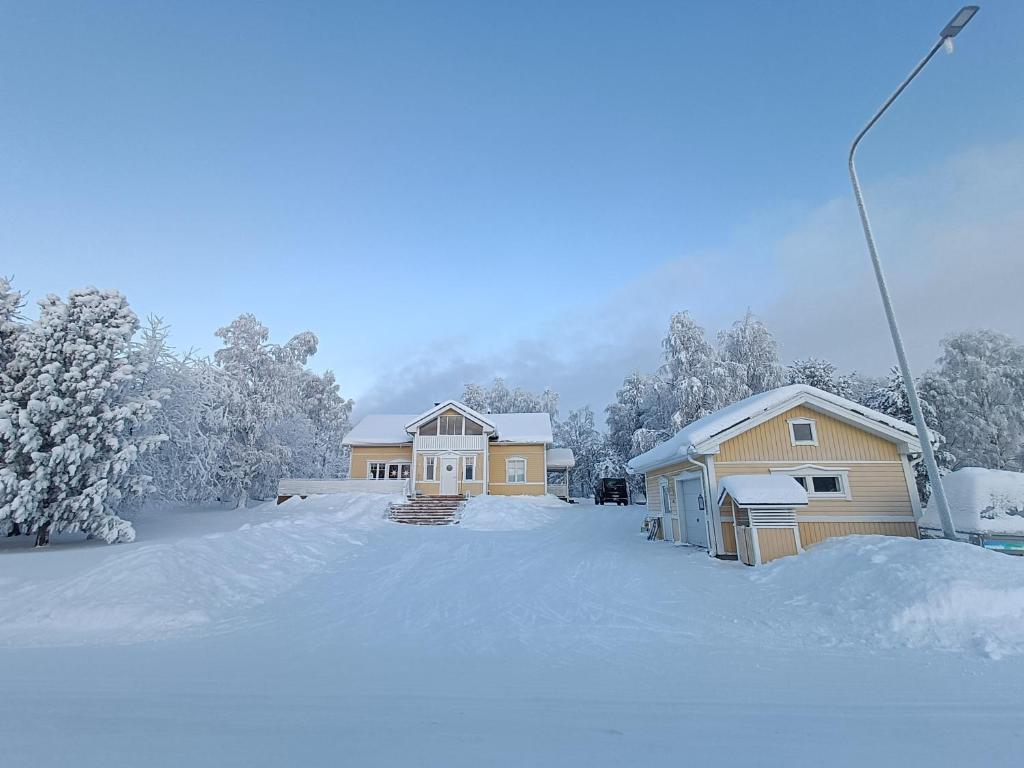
767 490
440 408
705 435
396 429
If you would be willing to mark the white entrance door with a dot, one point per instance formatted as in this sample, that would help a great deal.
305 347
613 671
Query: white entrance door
449 475
694 506
669 521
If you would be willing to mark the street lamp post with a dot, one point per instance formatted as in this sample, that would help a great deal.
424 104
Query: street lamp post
938 492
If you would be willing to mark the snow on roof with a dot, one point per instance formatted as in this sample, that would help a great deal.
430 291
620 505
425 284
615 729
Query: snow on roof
560 458
380 429
982 501
522 427
390 429
677 447
764 490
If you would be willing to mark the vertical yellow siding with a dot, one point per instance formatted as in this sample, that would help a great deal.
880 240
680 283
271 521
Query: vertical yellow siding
837 441
812 532
536 480
775 543
363 454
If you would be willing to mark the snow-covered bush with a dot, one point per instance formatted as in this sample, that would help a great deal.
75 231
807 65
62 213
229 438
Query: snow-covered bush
70 419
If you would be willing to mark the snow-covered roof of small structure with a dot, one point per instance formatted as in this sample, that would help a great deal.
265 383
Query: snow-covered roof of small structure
391 429
765 490
380 429
560 458
982 501
701 433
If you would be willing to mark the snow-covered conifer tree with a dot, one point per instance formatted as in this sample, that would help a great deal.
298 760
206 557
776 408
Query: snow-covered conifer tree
329 415
69 419
11 302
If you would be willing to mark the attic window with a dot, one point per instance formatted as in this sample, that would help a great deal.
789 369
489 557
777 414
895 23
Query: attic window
803 432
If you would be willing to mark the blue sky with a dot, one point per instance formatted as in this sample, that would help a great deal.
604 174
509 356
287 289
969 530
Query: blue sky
399 177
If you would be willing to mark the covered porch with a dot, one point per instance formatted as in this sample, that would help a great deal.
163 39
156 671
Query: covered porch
559 462
763 509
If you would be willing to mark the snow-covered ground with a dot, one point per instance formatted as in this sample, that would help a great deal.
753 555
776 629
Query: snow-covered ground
533 633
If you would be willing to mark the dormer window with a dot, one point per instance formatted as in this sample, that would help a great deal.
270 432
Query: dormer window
803 432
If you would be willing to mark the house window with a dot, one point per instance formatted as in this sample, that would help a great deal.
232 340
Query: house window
472 428
451 424
389 470
826 484
803 432
515 470
429 429
469 468
430 468
820 482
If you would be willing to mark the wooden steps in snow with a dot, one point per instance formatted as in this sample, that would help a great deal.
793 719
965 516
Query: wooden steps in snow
427 510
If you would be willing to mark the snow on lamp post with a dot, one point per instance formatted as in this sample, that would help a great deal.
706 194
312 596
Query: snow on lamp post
950 31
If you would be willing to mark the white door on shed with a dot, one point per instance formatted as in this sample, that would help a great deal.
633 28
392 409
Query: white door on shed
669 519
694 511
449 475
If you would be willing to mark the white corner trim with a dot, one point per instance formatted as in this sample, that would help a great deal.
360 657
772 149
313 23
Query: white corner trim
915 498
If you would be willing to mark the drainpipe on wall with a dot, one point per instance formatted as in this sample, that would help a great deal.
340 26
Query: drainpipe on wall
708 512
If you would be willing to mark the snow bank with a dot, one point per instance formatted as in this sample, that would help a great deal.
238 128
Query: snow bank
982 501
510 513
145 591
901 592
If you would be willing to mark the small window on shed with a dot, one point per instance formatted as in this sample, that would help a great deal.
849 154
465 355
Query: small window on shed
802 432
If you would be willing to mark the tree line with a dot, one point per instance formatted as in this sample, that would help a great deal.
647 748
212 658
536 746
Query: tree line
98 415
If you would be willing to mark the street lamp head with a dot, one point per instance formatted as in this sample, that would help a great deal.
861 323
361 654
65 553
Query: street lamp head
959 21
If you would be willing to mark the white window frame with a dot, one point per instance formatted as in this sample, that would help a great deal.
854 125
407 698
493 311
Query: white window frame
387 464
430 469
814 432
508 465
808 471
469 466
462 424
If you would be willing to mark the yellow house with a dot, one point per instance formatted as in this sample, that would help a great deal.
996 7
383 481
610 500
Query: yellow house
452 450
780 471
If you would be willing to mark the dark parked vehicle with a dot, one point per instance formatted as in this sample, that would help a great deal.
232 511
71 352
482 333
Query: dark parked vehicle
611 490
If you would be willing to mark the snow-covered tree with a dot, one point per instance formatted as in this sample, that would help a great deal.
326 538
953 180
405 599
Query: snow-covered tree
579 433
699 381
498 398
70 420
977 392
193 392
475 397
328 415
819 373
11 302
890 398
748 343
262 388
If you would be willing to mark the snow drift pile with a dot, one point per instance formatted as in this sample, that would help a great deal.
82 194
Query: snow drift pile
510 513
982 501
892 592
